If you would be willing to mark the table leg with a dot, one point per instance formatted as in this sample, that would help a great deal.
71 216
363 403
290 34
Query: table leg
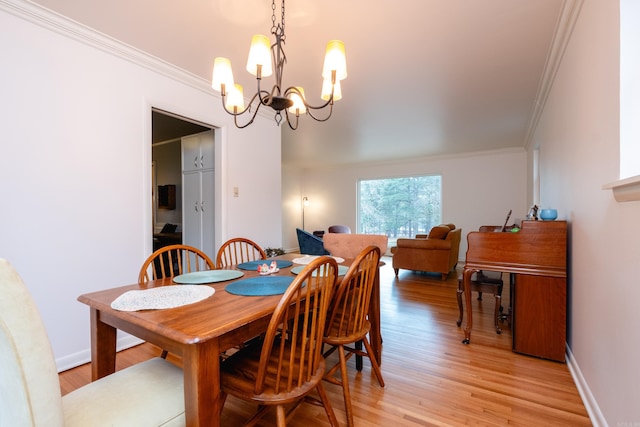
375 335
201 364
103 347
466 281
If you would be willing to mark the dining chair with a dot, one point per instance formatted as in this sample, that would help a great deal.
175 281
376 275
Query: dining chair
285 365
171 261
238 250
339 229
150 393
347 322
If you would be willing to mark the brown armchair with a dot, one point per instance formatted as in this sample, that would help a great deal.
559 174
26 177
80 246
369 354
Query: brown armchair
436 252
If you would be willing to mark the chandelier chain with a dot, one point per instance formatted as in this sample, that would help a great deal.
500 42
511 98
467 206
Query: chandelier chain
273 16
283 36
277 29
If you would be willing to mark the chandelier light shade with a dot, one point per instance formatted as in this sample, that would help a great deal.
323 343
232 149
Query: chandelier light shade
335 59
328 89
298 106
265 58
222 73
259 61
235 99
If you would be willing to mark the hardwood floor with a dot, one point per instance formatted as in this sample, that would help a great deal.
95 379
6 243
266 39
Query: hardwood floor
432 379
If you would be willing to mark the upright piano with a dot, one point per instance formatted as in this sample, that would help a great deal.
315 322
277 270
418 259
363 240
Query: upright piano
536 258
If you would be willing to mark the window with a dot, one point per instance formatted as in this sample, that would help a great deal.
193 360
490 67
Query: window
399 207
627 189
629 88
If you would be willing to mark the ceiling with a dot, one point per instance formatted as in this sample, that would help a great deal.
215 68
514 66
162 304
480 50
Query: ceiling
426 77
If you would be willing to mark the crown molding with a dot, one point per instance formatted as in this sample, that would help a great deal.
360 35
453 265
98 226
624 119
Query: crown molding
46 18
562 35
625 190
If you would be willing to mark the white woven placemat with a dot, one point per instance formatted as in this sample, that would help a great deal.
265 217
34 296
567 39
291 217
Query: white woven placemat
162 297
306 259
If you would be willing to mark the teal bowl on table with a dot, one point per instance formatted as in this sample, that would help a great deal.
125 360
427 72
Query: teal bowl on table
548 214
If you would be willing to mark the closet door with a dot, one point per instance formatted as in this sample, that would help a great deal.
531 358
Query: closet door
191 212
198 218
207 212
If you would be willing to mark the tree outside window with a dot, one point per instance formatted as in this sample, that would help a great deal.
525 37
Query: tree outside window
399 207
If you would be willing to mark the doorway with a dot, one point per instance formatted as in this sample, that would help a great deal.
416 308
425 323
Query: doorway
168 129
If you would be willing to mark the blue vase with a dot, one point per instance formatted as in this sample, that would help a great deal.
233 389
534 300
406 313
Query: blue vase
548 214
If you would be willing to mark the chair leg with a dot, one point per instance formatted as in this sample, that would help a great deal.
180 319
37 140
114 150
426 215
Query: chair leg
223 399
281 416
459 295
396 270
374 363
262 410
358 356
496 314
345 386
327 405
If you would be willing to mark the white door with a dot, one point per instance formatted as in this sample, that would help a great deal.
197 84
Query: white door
207 213
198 216
191 215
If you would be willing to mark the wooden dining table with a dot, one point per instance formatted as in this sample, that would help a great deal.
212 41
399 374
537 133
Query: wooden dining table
198 332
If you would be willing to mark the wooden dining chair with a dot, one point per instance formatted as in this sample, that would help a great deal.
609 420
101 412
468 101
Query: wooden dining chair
285 365
238 250
347 322
171 261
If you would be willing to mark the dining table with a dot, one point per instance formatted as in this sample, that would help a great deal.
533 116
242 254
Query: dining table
199 332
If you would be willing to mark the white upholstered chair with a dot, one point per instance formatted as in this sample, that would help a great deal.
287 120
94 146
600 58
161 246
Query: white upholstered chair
147 394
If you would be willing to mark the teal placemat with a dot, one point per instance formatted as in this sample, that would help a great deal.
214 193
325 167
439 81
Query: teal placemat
342 269
260 286
253 265
207 276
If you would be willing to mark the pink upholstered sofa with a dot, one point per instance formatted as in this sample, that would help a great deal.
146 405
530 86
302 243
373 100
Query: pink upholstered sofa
436 252
350 245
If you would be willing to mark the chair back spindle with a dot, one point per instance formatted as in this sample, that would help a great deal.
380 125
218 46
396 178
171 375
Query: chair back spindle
238 250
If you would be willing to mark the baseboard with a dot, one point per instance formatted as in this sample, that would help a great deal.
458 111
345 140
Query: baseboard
80 358
597 419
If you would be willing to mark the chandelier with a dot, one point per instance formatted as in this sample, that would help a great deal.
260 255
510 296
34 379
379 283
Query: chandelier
262 56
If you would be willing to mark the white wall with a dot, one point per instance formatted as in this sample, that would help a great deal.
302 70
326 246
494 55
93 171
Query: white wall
75 164
477 189
578 136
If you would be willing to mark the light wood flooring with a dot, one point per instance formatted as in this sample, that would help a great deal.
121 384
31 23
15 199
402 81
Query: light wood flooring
432 379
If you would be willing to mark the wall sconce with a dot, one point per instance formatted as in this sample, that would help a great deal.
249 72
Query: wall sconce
305 203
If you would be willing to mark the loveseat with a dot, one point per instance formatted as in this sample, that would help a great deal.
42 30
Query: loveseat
349 246
436 252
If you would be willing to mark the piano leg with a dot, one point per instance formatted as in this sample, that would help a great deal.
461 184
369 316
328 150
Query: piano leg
466 280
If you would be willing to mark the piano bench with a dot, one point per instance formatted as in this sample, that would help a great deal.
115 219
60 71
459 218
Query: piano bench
489 282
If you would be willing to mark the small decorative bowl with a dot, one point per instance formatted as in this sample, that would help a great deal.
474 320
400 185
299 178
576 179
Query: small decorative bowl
548 214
